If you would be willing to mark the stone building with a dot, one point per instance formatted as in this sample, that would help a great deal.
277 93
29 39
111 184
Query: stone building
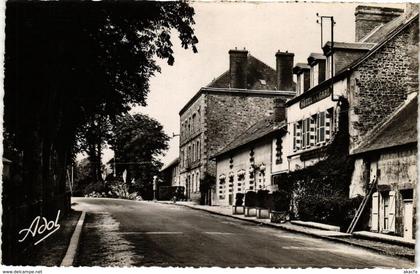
387 159
376 64
246 163
375 75
226 107
169 174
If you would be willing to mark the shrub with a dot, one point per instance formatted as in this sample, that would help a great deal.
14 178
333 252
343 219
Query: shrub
239 199
334 210
167 193
250 199
261 198
281 200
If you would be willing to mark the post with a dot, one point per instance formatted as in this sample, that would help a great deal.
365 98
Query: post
154 187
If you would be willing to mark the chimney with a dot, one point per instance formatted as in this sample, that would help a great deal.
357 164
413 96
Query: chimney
279 110
238 68
368 18
284 69
410 10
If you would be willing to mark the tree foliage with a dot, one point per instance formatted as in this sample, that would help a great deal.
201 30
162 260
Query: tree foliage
321 190
138 141
66 63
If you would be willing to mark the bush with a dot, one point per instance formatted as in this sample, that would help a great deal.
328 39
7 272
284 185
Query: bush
261 198
281 200
334 210
239 199
167 193
94 187
269 201
250 199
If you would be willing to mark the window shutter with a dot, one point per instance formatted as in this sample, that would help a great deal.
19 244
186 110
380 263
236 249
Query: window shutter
375 211
391 215
328 120
312 132
298 136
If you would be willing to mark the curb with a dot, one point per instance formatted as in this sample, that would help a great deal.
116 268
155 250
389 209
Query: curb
329 238
74 242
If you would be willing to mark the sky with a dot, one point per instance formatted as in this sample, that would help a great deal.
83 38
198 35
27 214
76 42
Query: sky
262 28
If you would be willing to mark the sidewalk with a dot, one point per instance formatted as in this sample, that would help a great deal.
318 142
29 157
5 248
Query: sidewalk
336 236
51 251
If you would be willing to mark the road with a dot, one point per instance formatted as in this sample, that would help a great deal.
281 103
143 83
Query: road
131 233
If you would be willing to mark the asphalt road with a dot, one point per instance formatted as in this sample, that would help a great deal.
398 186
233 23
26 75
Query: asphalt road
131 233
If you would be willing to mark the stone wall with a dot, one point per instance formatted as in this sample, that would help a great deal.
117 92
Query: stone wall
229 114
381 83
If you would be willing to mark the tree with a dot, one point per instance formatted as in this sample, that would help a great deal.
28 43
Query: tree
138 141
65 63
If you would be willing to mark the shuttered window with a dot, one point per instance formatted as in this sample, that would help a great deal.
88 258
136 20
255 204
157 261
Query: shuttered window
375 212
328 124
312 130
320 131
298 135
391 212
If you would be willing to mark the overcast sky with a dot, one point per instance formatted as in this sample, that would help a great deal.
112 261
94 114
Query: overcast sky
262 28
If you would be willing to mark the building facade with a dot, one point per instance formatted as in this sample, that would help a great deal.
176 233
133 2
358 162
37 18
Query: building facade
377 75
387 161
169 174
226 107
246 163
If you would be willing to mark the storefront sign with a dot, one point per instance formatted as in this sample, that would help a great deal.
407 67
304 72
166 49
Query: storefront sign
318 96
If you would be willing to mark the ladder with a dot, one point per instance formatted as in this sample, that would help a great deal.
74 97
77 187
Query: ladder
362 207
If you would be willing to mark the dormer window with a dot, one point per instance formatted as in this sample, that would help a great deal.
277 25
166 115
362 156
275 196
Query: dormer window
317 63
302 72
314 75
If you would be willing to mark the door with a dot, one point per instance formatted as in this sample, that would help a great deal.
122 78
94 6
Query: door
408 219
375 211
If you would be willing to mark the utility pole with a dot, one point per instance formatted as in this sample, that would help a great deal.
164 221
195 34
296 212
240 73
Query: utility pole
320 21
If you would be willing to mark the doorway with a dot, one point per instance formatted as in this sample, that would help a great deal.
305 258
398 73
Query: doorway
408 219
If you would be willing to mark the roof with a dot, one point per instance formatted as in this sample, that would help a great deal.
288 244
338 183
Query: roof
400 128
257 131
237 91
348 46
317 56
348 69
259 76
299 67
170 164
378 34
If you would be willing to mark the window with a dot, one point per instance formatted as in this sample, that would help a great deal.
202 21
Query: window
279 153
328 68
197 181
299 135
192 183
189 154
198 150
306 132
328 123
294 136
320 128
194 126
314 75
300 80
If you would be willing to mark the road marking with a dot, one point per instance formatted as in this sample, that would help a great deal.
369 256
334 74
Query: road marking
74 242
217 233
152 232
